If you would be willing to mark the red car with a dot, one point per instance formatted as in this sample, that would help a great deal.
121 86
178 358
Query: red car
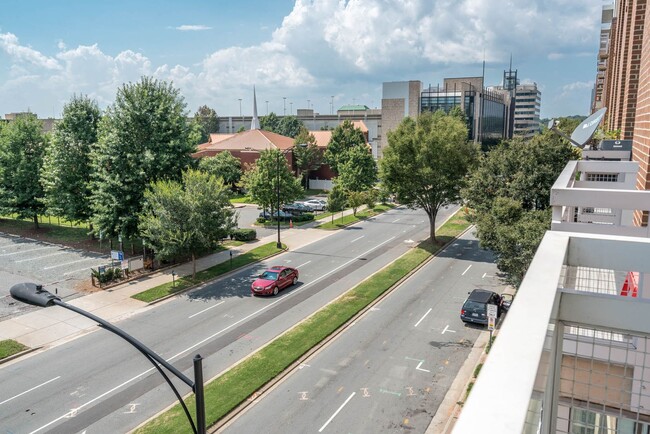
274 279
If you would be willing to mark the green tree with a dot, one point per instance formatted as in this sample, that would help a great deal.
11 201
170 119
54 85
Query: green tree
224 166
270 122
22 147
209 121
337 199
359 170
262 181
196 134
67 167
509 194
355 200
290 126
142 138
186 218
427 161
308 157
344 138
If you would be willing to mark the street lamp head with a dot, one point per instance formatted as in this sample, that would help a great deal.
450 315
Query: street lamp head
31 293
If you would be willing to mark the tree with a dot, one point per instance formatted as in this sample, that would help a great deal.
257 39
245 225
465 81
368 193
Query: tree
358 172
67 167
336 199
208 120
197 134
186 218
262 181
344 138
509 194
224 166
270 122
143 138
290 126
22 146
308 157
426 162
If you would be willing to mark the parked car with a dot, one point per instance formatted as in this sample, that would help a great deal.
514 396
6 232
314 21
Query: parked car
296 208
316 204
474 309
274 280
267 215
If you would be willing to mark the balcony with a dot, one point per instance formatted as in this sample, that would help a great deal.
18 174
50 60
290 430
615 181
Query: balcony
573 353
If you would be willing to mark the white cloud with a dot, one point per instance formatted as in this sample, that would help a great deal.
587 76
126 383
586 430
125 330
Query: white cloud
578 85
20 53
193 28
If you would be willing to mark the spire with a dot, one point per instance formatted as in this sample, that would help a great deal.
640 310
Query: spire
255 123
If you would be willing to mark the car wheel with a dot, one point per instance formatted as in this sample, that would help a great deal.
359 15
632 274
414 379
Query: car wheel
295 280
275 291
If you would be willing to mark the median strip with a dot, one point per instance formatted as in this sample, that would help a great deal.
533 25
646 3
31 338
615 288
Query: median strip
236 385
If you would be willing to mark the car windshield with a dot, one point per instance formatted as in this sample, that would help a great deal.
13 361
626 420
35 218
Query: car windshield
270 275
473 305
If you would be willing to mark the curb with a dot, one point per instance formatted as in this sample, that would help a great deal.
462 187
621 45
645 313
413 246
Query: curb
17 355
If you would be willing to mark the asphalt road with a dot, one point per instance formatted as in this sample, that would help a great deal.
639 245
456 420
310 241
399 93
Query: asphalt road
99 384
390 371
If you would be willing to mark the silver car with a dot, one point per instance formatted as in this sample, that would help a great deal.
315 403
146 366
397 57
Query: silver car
316 204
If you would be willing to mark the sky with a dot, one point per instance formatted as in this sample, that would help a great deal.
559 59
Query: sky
319 54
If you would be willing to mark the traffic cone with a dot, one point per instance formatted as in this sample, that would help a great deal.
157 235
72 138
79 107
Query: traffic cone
290 223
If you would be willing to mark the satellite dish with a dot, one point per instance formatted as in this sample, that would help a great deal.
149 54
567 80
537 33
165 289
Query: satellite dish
551 124
585 131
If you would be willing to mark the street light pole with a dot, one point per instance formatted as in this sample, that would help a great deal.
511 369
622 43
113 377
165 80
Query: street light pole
277 218
284 106
35 295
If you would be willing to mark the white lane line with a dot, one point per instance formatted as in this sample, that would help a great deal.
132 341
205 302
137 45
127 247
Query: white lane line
397 220
446 329
41 257
27 391
68 263
336 412
25 251
484 274
76 410
425 315
357 239
77 271
207 309
302 265
466 270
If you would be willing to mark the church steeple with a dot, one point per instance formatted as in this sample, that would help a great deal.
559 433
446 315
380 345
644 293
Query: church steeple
255 123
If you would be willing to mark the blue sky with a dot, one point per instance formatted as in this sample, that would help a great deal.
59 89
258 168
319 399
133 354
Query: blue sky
305 51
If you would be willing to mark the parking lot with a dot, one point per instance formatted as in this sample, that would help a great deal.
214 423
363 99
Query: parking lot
59 268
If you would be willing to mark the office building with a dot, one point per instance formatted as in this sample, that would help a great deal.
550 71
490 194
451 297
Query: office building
528 101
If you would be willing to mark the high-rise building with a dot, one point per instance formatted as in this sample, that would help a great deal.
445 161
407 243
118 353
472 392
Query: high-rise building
528 100
399 99
597 100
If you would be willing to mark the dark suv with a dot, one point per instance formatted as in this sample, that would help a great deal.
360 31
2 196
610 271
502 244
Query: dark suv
475 307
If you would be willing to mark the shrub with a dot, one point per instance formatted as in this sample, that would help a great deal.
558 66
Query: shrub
371 198
110 274
303 217
261 220
244 234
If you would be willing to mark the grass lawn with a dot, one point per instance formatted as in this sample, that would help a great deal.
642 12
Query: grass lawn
234 386
347 220
9 347
240 199
185 282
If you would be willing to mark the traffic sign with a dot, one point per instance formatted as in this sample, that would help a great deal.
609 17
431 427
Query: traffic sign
491 323
492 311
117 255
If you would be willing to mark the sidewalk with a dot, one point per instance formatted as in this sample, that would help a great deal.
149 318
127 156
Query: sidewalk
56 325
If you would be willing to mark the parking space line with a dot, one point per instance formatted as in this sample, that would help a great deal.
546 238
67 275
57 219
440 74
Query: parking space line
25 251
336 412
425 315
302 265
41 257
77 271
68 263
466 270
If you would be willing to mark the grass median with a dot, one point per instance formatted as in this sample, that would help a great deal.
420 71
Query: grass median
236 385
160 291
347 220
9 347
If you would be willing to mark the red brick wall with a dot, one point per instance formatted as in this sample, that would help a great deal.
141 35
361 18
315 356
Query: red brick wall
641 144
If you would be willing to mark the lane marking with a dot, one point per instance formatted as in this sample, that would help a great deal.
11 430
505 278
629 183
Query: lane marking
392 393
77 271
205 310
484 274
27 391
397 220
466 270
40 257
425 315
302 265
26 251
68 263
447 330
336 412
67 415
357 239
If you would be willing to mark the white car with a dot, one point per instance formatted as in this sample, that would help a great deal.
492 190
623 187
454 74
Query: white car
316 204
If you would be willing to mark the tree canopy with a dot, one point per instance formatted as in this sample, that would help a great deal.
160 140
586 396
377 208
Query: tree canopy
22 147
142 138
185 218
289 126
262 181
209 121
307 158
67 167
344 138
358 172
426 162
224 166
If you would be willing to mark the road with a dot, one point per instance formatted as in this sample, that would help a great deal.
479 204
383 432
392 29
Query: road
100 384
389 371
